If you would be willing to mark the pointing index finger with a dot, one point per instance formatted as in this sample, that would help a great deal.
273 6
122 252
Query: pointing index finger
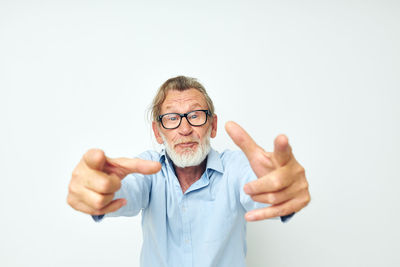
124 166
282 149
241 138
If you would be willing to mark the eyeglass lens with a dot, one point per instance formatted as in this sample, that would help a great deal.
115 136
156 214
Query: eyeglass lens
195 118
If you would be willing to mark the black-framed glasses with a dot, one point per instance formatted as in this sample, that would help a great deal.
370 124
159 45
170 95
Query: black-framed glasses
194 118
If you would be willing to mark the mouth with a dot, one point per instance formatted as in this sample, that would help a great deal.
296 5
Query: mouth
186 145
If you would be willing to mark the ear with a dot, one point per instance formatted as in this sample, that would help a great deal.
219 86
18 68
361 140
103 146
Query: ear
214 126
156 132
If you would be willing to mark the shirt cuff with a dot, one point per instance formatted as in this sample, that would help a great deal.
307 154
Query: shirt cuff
97 218
287 217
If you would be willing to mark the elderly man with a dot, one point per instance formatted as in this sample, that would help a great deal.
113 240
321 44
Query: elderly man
194 200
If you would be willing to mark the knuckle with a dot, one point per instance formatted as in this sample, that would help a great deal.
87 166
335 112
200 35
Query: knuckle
307 199
302 202
301 170
105 185
277 183
272 198
75 173
98 203
298 170
72 187
304 185
70 200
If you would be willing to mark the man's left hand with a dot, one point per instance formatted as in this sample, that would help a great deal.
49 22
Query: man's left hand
281 179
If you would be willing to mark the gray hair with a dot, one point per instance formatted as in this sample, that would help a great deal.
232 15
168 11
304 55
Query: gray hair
179 83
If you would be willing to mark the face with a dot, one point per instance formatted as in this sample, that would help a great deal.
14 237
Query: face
186 145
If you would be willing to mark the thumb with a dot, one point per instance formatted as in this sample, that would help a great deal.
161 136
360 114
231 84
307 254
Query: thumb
282 150
95 159
124 166
259 159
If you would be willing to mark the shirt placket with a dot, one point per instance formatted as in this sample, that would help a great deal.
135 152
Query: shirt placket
182 199
186 235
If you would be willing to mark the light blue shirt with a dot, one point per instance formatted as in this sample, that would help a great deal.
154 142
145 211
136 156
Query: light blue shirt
202 227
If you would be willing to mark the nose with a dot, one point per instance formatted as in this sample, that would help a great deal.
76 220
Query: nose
185 128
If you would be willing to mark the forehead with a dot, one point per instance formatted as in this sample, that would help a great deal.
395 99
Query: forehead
183 101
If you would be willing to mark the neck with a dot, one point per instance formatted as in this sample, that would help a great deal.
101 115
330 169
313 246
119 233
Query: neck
189 175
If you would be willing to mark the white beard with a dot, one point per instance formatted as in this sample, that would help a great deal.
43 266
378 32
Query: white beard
188 157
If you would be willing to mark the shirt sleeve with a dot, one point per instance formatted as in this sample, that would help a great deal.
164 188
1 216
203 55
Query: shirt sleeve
286 218
97 218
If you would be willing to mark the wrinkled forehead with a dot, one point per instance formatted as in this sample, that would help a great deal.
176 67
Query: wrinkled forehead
183 101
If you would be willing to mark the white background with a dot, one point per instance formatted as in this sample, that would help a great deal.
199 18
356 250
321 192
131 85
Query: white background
81 74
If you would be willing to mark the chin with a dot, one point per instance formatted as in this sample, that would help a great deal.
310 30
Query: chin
188 157
186 152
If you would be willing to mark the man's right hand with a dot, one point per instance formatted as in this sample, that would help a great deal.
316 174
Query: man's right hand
96 178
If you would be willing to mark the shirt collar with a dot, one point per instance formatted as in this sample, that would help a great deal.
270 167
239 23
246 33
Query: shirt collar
214 161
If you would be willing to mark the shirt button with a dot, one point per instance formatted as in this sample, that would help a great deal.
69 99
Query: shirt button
187 241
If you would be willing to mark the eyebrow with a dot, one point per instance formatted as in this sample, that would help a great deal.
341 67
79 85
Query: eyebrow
192 107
